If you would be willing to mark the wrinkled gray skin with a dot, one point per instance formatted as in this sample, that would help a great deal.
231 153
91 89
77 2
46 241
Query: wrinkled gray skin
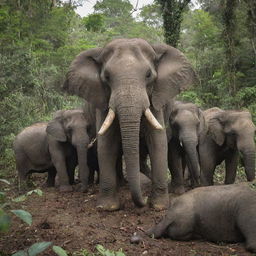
58 145
129 76
219 214
188 129
230 133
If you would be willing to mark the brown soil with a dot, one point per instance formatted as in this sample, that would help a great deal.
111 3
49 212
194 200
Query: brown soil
71 221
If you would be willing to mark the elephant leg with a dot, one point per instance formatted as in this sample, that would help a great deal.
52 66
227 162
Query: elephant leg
108 150
175 166
160 229
59 161
231 163
71 163
50 182
179 232
157 146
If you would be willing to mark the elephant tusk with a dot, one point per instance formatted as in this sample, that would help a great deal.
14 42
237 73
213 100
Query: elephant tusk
91 143
152 120
108 121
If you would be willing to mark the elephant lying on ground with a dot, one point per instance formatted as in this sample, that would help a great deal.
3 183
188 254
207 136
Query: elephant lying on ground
218 213
58 145
187 131
130 81
230 133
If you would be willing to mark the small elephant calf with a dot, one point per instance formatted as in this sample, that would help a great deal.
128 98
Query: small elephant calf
57 146
223 213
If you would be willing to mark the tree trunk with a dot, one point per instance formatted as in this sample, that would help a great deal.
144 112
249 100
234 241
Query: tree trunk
172 11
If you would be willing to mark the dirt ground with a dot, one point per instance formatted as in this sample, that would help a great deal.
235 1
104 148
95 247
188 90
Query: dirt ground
71 221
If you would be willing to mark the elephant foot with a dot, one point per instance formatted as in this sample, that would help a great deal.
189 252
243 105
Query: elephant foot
176 189
66 188
160 202
108 204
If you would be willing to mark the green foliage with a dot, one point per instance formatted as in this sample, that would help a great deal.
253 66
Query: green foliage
203 43
23 215
82 252
105 252
6 204
59 251
5 221
37 248
94 22
101 251
151 15
22 198
114 8
40 247
34 249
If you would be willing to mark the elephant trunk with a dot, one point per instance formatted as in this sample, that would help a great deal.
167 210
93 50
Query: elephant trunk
83 166
249 163
81 142
192 156
246 145
129 119
129 104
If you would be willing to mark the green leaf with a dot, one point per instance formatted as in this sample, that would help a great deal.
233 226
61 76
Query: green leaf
5 181
120 253
37 191
38 248
2 196
100 248
5 221
19 199
20 253
24 215
59 251
24 197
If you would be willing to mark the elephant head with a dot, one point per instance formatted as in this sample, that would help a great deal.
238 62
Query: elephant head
188 122
236 129
71 126
128 77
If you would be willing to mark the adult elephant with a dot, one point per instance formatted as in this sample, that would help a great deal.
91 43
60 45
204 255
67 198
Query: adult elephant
230 133
130 81
188 129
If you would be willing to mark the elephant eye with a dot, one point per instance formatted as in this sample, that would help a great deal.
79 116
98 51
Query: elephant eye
106 76
69 128
148 74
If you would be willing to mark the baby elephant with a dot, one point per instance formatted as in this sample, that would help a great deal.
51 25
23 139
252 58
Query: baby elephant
223 213
58 145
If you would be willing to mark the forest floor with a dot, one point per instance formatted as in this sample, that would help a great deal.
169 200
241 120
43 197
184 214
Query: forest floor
72 221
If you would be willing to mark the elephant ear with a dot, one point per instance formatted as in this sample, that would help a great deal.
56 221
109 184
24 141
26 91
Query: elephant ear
83 78
202 122
55 128
174 74
216 130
